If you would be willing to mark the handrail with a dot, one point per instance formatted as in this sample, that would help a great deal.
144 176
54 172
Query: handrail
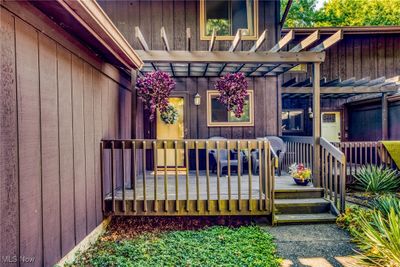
333 174
336 153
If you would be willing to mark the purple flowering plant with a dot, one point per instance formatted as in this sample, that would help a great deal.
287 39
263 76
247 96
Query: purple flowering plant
154 89
232 90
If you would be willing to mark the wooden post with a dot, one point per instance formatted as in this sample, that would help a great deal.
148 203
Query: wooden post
385 135
316 123
134 103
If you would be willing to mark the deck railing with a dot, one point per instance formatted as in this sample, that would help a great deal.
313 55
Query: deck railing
152 177
333 174
299 149
363 153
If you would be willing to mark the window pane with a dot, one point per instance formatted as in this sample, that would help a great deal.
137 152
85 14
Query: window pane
219 113
227 16
292 120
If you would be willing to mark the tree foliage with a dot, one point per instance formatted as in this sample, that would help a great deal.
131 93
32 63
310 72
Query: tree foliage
343 13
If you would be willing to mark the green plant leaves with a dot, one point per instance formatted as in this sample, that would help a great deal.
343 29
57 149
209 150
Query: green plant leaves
377 179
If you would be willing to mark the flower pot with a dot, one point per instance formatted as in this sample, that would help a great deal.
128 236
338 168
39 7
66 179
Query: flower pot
301 182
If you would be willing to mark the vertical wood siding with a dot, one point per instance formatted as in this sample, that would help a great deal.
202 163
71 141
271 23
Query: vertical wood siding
359 56
55 107
176 16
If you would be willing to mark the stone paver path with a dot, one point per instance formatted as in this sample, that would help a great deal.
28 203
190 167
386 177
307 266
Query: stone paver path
315 245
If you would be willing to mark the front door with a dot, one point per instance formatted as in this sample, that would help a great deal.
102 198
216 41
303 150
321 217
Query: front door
330 126
175 131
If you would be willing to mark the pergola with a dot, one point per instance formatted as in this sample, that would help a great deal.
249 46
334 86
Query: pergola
339 88
253 63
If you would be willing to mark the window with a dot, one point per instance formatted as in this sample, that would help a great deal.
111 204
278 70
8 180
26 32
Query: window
301 68
227 17
218 116
292 120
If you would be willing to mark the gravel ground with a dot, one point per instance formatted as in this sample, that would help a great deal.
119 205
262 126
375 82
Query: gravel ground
312 244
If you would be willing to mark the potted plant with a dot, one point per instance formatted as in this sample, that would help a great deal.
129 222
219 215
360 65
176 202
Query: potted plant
300 174
154 89
232 90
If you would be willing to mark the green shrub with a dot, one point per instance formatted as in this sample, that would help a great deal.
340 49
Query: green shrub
385 203
379 239
214 246
377 179
350 220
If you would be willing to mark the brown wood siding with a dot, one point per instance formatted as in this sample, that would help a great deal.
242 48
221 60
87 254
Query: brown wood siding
176 16
57 101
359 56
9 186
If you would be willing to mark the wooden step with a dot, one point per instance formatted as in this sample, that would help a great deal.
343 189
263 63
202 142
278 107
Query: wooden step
304 218
301 205
299 193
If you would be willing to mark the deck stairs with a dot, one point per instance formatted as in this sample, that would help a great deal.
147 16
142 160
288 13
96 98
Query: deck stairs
302 204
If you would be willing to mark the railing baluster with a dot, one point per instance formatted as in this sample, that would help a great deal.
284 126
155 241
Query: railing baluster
250 178
208 176
197 176
165 177
112 176
336 177
343 185
144 176
133 175
330 176
187 175
239 170
267 174
326 173
323 169
155 175
229 176
260 173
176 176
218 178
123 177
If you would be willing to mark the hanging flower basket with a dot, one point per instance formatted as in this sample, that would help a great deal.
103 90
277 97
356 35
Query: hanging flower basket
233 90
170 115
154 89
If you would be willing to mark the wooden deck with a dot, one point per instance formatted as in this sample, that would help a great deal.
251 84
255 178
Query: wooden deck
284 182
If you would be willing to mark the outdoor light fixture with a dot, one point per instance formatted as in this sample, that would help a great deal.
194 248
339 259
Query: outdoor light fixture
310 113
197 100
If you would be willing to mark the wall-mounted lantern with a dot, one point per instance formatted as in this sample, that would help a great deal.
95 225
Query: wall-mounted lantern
310 113
197 100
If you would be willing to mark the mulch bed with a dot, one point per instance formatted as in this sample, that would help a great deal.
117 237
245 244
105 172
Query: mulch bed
129 227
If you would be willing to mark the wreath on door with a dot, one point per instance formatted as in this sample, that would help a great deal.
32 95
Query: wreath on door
170 115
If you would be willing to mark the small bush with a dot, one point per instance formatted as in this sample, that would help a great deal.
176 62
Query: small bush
379 239
377 179
387 202
350 220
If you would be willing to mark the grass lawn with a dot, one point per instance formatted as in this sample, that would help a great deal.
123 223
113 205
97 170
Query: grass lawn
209 246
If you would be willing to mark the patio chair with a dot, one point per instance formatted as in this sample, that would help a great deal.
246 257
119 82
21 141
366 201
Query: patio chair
223 158
279 148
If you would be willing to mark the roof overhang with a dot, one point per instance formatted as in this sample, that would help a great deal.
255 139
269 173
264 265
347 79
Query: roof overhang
87 21
350 30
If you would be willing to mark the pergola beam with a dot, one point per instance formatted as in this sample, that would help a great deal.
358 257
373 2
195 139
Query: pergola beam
341 90
166 45
259 42
336 37
141 39
231 57
285 40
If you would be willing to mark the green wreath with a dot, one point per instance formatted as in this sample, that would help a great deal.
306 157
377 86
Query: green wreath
170 115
